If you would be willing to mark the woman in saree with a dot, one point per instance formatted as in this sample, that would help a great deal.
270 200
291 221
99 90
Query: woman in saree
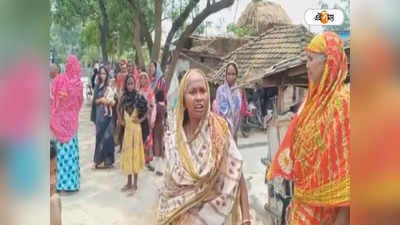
228 99
158 77
203 183
67 92
104 151
148 124
315 152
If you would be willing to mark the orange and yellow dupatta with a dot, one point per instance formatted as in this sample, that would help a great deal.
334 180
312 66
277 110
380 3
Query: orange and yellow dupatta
315 152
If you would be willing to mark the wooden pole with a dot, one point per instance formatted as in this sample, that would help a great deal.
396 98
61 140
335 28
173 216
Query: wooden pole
280 98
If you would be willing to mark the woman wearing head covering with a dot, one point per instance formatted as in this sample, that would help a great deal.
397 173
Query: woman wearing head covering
315 152
132 109
228 99
203 181
157 76
104 152
121 76
67 92
148 124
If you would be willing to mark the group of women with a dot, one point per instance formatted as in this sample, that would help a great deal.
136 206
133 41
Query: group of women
203 183
203 180
138 122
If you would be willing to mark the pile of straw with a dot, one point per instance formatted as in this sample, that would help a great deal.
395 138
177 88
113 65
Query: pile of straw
262 15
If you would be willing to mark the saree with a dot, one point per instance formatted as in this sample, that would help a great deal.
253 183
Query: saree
67 92
104 151
228 104
148 124
315 152
66 101
159 81
201 181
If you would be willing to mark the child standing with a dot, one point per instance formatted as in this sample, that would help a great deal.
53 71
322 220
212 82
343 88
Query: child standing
133 110
159 127
55 201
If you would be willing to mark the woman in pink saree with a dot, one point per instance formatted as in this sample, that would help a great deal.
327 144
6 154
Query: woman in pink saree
67 92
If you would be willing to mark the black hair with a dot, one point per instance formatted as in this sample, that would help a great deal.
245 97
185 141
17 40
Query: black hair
234 66
141 105
155 68
180 75
129 76
185 117
53 149
159 95
95 71
128 99
107 77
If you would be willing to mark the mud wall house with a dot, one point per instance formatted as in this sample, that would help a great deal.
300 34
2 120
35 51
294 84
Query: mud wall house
277 44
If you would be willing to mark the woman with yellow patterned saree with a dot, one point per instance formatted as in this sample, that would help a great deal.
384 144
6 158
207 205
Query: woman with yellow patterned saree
315 152
203 180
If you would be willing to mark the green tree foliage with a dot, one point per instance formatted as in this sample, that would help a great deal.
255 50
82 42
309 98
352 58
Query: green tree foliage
241 31
64 41
86 14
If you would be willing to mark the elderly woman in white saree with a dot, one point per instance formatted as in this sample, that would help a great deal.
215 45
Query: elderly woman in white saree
203 181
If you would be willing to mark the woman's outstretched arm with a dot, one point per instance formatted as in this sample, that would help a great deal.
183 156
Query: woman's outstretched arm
244 201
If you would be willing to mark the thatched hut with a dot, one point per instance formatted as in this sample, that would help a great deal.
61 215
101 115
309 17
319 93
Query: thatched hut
262 15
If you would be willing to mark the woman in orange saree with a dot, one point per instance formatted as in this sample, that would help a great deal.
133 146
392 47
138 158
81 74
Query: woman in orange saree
315 152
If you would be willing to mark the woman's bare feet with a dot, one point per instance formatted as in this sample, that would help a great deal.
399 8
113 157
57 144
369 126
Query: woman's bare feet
132 191
126 188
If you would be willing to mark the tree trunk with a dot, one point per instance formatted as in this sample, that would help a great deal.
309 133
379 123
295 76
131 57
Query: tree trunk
175 27
210 9
136 36
155 52
147 35
103 31
144 27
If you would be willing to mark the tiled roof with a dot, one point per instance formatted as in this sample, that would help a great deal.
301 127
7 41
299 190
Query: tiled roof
286 64
279 43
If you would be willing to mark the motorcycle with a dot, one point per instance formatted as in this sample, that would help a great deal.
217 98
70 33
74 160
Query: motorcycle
254 118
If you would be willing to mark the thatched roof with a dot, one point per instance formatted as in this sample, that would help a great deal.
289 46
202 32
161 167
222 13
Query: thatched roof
262 15
279 43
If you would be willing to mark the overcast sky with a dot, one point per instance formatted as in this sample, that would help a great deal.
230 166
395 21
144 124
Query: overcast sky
219 21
